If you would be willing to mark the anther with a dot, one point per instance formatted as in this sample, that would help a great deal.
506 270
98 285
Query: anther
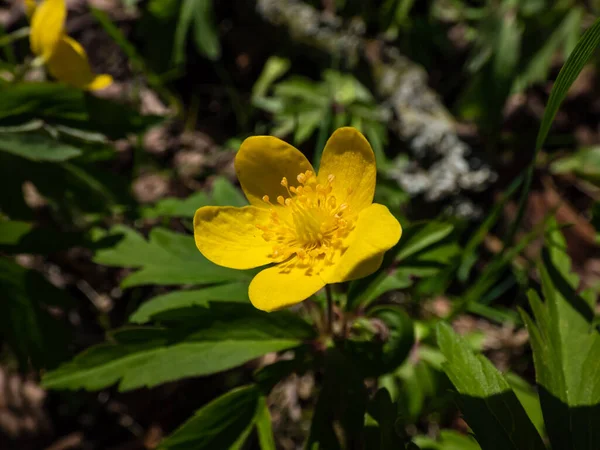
301 178
284 182
265 199
280 200
331 177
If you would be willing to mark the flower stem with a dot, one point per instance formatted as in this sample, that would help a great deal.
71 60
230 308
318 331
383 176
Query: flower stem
329 309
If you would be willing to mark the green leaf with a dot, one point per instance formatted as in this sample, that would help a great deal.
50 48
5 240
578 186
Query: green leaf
23 237
168 258
417 238
219 424
538 65
33 334
566 352
200 15
223 194
36 147
195 342
490 406
529 398
231 292
449 440
59 104
421 251
567 76
274 68
226 194
469 254
263 426
585 163
12 231
177 207
206 34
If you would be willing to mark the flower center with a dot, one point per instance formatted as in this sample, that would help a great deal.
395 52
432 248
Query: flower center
310 223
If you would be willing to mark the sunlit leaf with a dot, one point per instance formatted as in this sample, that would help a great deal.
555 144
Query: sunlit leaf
166 258
490 406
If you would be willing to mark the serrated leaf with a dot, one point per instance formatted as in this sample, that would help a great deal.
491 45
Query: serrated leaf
33 334
167 258
219 424
490 406
37 147
202 341
566 352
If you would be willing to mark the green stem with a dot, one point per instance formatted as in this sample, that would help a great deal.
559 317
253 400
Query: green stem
329 326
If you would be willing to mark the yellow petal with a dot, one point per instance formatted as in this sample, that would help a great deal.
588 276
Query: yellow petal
69 64
376 231
261 163
349 157
228 236
283 285
100 82
47 27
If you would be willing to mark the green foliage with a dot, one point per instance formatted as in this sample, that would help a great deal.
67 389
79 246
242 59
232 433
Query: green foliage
59 105
225 423
489 404
223 194
423 251
193 341
197 15
35 336
569 380
167 258
585 164
449 440
298 106
384 359
37 147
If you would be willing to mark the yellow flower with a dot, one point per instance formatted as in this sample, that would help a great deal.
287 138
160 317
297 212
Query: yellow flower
64 57
316 229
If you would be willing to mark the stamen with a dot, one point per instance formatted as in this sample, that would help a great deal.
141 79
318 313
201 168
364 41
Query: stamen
311 228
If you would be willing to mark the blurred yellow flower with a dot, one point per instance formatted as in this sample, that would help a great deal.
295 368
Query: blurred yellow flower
316 229
64 57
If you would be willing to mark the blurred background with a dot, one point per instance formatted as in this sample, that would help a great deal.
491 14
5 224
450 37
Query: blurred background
450 94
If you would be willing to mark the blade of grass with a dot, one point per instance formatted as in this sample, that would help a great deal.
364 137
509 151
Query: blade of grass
566 77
